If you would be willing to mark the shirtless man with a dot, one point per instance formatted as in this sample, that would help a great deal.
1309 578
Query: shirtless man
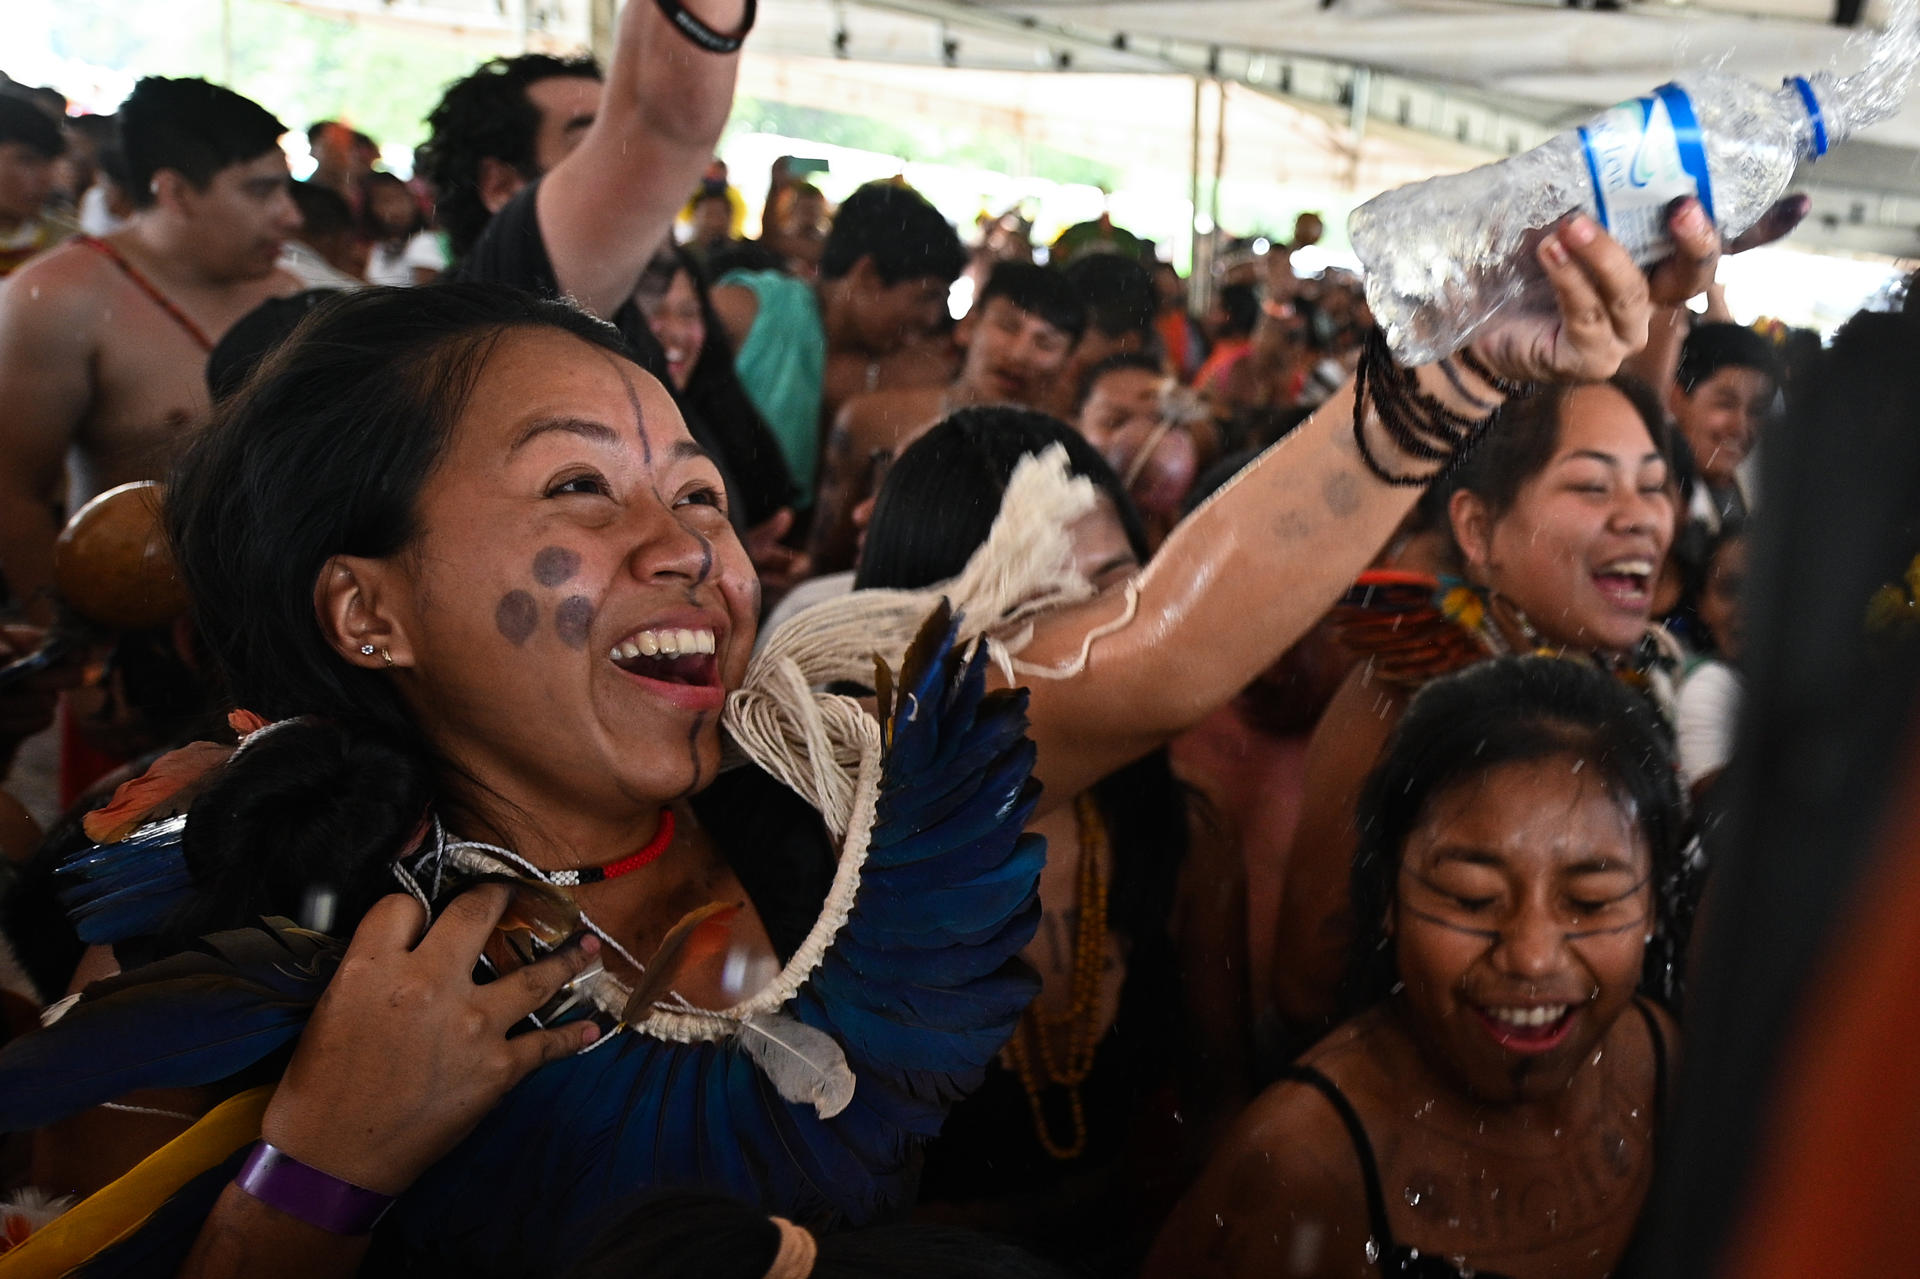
1017 337
803 350
103 343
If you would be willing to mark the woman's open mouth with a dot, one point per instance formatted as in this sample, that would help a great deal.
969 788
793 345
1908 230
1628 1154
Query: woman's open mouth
1528 1028
1627 584
677 664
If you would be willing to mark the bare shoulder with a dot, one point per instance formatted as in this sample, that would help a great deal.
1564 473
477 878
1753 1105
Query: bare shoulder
68 284
1282 1194
883 413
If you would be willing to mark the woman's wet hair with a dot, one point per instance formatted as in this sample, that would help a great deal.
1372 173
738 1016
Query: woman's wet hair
942 494
674 1233
1525 434
324 452
1517 710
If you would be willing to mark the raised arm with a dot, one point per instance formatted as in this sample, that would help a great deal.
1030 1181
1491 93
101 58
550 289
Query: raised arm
1245 576
45 389
607 206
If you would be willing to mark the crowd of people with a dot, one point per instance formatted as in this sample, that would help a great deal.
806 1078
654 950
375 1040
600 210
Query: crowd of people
672 754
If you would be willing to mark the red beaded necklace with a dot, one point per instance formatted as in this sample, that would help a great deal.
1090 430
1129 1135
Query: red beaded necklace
626 865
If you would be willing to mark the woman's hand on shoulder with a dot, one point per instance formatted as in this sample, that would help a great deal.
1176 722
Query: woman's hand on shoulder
1282 1195
404 1054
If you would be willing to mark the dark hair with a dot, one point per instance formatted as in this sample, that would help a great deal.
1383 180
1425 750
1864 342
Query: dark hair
1241 303
101 130
717 403
192 127
22 122
255 336
671 1234
1506 711
1037 291
906 237
323 211
942 495
369 225
486 115
1118 292
1138 360
1525 434
323 453
1712 347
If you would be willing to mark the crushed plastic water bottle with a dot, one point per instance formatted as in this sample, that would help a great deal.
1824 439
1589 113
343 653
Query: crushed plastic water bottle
1442 256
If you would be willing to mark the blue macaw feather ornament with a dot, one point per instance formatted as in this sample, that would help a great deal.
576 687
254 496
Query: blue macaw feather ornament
920 989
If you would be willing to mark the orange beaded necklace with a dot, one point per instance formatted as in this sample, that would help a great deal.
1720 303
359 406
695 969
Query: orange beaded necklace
1081 1020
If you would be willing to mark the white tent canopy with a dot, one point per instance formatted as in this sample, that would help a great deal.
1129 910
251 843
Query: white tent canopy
1494 77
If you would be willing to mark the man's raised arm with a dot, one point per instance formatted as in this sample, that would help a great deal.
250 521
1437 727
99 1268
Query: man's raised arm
606 207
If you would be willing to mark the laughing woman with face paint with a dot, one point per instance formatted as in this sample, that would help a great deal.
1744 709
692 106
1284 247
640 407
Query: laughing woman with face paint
1491 1110
1558 528
477 592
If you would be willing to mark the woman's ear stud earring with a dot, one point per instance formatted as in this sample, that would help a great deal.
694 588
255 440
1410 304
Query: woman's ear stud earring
366 650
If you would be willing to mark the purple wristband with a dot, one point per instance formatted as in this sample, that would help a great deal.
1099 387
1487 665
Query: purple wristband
280 1181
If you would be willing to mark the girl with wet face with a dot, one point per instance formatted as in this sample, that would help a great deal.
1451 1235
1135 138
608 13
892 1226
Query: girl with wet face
1491 1106
1559 527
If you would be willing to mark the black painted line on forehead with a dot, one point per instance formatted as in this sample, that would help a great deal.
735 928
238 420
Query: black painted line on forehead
633 402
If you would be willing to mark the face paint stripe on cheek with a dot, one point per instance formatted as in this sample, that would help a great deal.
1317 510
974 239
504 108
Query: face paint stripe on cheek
555 565
516 616
572 620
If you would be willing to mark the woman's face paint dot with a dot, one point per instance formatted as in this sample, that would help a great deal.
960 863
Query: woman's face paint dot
572 620
554 565
516 617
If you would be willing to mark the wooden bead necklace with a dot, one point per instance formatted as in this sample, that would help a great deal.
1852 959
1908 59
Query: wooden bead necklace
1081 1021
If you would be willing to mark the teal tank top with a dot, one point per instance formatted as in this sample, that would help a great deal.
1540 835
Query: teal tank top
783 366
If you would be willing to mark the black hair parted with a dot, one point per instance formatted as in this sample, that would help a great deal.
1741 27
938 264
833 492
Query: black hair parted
1525 434
942 495
323 452
192 127
895 227
1119 294
26 124
486 116
1515 710
1037 291
1712 347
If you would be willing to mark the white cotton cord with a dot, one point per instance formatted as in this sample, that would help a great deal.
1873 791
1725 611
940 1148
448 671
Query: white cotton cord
1079 664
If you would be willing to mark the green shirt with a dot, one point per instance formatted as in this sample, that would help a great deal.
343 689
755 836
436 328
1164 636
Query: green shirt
783 366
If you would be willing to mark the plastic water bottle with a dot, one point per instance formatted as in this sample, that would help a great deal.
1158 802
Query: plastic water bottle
1442 256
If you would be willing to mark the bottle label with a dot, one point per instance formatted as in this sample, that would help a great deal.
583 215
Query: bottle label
1642 156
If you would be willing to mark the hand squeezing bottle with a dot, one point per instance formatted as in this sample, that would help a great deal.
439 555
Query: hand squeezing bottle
1442 256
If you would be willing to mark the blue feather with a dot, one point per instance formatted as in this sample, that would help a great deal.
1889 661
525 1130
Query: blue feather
193 1018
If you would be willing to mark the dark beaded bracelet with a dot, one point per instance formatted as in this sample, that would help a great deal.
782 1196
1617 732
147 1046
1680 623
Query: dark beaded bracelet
702 34
1419 425
1476 366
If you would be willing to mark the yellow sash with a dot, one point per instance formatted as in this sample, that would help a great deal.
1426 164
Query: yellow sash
115 1211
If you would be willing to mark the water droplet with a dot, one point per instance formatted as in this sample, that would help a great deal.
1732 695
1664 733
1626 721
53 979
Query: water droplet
1453 1223
1413 1197
1553 1219
1494 1193
33 294
1578 764
1556 1132
1373 1251
1634 1113
1218 1221
1178 1118
1426 1109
